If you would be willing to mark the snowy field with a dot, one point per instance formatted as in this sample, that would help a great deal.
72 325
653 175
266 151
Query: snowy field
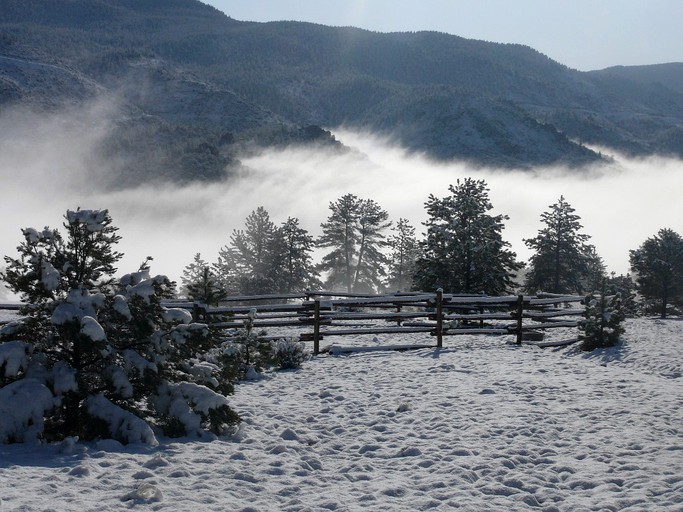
477 426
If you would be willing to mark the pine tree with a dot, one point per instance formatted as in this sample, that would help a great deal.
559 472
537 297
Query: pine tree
658 268
341 234
563 261
293 247
354 231
464 251
200 284
405 251
102 356
602 325
253 252
371 262
227 272
252 264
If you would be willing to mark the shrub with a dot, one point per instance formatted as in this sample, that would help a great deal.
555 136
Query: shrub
602 326
289 354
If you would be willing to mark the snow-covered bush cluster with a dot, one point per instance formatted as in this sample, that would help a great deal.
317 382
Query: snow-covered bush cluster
100 357
289 353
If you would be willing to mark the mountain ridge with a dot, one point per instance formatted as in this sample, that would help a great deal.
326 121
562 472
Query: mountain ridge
228 82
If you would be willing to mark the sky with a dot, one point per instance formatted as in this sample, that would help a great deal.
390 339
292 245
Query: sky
581 34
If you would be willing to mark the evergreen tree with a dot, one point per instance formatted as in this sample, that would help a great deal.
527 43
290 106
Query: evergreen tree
626 288
354 231
293 246
601 327
102 357
658 268
251 264
405 251
206 290
563 261
201 284
227 272
254 255
341 234
371 262
464 251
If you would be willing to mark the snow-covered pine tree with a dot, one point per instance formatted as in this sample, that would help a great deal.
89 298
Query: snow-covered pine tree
354 232
658 269
464 251
96 357
405 251
563 261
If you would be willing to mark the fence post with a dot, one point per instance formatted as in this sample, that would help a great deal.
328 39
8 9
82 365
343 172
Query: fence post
316 327
520 312
197 313
439 318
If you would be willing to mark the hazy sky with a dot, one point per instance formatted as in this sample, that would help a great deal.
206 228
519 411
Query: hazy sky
582 34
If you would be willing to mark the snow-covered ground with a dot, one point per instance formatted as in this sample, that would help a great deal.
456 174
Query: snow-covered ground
478 425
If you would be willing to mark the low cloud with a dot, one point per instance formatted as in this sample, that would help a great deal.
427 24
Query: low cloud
48 165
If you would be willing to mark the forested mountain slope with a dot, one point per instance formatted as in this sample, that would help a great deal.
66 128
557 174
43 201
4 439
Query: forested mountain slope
201 86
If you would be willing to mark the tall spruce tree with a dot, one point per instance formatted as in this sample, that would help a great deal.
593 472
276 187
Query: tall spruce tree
355 233
563 261
658 268
464 251
405 251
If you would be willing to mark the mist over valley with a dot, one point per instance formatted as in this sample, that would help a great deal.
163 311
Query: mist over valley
182 128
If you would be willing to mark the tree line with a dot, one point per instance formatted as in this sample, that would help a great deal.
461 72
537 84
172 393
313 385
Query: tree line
463 251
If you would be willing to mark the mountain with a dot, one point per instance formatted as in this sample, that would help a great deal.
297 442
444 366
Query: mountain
194 88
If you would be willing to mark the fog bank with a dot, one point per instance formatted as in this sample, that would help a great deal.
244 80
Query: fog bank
47 166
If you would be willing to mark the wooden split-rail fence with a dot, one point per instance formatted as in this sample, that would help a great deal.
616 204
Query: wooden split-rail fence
319 314
322 314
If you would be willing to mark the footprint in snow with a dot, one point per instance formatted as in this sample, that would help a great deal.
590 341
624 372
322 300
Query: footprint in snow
146 493
156 462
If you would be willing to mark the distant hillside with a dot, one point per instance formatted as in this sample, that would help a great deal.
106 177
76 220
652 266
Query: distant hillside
200 87
669 75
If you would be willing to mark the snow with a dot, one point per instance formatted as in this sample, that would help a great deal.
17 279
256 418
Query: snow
176 315
124 425
121 307
92 219
23 421
79 303
13 357
49 276
477 425
64 378
92 329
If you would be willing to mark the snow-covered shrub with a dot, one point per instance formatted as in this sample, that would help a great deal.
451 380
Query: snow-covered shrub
96 354
289 353
602 325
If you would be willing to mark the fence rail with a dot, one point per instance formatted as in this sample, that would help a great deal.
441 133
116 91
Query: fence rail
325 314
320 314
